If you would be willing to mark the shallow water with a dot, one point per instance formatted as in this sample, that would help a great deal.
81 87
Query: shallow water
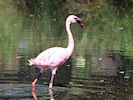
99 69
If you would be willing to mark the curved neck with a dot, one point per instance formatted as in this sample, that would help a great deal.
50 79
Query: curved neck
70 46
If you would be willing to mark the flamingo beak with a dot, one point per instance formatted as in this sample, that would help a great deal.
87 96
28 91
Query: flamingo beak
80 22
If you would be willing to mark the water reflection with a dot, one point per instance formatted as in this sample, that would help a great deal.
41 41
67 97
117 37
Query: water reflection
34 94
51 94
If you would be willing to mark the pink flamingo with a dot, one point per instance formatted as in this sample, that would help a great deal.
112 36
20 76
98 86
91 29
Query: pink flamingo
55 56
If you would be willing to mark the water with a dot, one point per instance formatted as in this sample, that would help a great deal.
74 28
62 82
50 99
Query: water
99 69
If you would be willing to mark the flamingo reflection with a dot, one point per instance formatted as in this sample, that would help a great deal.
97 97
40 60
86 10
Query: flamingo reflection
34 94
51 94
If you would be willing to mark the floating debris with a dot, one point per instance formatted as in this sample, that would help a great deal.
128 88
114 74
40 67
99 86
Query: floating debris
101 81
121 72
127 77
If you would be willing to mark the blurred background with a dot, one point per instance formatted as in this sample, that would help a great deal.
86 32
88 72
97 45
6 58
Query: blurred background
101 67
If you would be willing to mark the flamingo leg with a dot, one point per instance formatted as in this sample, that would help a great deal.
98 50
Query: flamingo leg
51 82
52 78
34 82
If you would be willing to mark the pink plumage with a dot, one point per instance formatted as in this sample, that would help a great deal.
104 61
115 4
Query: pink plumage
50 58
55 56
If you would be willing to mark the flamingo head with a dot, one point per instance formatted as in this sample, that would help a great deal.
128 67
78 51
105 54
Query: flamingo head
75 19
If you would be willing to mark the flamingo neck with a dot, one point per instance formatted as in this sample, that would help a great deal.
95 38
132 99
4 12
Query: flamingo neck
70 46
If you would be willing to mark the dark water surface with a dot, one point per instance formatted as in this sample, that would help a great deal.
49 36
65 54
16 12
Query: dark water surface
101 67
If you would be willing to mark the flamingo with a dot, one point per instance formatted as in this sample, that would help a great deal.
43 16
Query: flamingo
53 57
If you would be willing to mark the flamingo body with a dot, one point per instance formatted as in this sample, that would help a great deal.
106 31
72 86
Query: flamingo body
50 58
56 56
